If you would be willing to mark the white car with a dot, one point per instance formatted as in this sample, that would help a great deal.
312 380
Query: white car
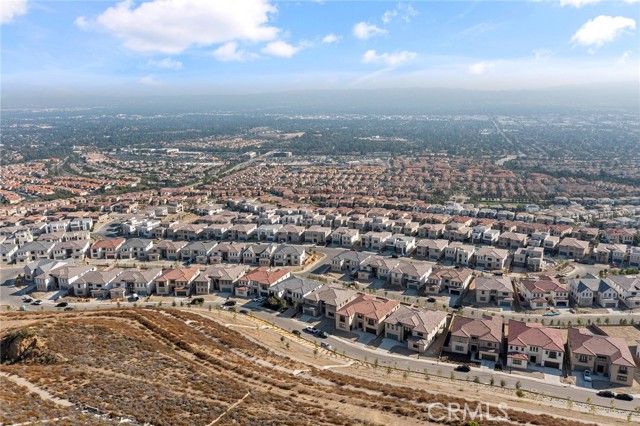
587 375
37 302
325 345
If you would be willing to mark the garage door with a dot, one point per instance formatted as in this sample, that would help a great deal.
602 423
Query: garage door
455 292
551 364
371 330
489 357
392 336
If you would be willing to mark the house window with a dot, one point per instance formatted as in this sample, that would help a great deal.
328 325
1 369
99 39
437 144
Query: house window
583 358
553 355
459 348
517 362
622 370
622 378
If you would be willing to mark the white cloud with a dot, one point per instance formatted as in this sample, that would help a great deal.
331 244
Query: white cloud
402 12
166 63
149 80
480 68
365 31
172 26
625 56
602 29
12 8
281 49
577 3
389 59
632 1
229 52
331 38
542 54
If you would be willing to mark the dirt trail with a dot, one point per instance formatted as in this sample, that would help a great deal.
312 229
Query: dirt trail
36 389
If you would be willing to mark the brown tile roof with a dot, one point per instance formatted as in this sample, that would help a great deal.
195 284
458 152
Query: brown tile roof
581 341
369 306
487 328
535 334
113 243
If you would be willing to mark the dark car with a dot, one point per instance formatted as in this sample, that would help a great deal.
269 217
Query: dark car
62 305
296 332
431 300
624 397
69 308
463 368
197 301
606 394
229 303
27 300
244 312
322 334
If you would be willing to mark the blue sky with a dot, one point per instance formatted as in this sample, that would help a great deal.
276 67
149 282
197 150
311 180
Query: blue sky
246 46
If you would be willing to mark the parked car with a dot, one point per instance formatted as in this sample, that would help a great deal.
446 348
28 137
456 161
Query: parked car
69 308
606 394
322 334
296 332
197 301
311 329
244 312
624 397
325 345
431 300
586 375
27 300
259 299
463 368
229 303
62 305
551 314
37 302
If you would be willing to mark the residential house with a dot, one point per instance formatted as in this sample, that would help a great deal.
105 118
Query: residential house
220 278
375 241
74 249
589 289
294 290
411 275
288 255
198 251
431 249
495 290
179 281
259 281
512 240
34 250
136 248
542 292
62 278
491 258
228 252
345 237
573 249
166 250
217 231
349 261
531 258
534 344
8 252
262 254
459 253
317 234
479 337
634 257
602 355
267 232
107 249
628 289
417 327
452 281
242 231
377 267
401 244
615 254
366 313
187 231
327 300
133 281
96 283
290 234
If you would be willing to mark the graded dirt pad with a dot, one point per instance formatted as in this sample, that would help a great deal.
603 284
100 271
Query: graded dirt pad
176 367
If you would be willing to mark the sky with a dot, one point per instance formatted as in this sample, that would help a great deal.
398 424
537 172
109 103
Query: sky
255 46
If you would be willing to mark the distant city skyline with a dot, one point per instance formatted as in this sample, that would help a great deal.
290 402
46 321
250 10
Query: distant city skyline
252 46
